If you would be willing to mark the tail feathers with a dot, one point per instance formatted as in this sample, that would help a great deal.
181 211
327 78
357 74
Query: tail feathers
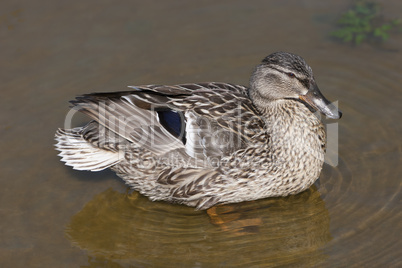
81 155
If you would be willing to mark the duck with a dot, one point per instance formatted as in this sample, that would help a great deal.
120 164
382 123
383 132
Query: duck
208 144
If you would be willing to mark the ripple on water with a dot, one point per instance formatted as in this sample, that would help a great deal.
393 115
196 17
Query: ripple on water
363 194
122 227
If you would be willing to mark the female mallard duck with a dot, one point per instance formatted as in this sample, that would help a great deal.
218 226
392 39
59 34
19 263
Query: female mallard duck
208 143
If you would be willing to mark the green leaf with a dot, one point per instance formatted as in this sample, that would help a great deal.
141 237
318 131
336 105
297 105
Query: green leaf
359 38
363 21
386 27
396 22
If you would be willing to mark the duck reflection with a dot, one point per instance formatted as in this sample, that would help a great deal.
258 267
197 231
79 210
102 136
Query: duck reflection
126 227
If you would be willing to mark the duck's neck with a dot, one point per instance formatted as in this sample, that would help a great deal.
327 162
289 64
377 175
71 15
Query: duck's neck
297 133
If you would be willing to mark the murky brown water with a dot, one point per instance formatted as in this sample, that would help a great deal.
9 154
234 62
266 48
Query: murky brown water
52 216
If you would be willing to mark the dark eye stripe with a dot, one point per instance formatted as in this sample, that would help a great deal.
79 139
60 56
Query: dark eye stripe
305 81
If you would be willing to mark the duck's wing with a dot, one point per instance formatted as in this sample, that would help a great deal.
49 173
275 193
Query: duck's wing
216 119
207 120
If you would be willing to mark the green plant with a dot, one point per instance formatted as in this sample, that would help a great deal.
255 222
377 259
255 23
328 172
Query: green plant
364 22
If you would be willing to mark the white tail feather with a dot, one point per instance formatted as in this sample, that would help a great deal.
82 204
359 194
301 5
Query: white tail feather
81 155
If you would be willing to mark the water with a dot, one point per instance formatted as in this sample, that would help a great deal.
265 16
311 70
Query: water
53 216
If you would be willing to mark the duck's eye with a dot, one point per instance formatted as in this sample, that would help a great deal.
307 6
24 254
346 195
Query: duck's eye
291 74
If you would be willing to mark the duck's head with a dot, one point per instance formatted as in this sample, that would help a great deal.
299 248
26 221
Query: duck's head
283 75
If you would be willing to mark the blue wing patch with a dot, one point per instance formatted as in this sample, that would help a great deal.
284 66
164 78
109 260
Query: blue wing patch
173 122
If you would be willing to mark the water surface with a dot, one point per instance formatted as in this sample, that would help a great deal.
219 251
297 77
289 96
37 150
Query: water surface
53 216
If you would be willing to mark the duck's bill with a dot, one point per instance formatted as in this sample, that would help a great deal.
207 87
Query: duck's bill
317 101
